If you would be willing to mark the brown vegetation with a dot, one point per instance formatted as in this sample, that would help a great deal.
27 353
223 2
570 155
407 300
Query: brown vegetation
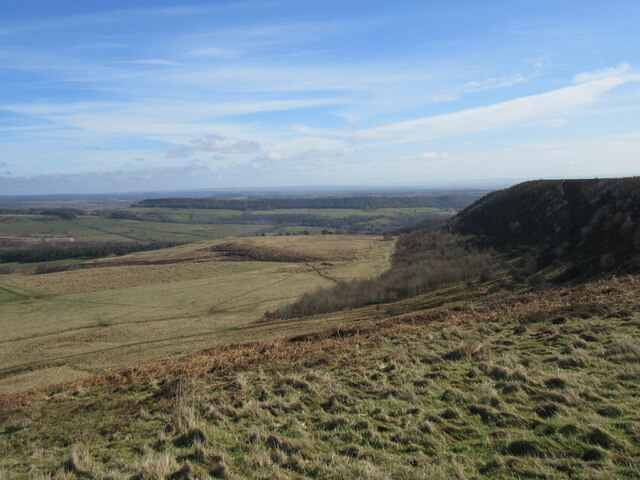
375 400
425 259
606 297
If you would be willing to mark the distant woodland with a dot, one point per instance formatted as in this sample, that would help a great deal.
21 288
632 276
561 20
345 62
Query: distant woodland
454 200
48 254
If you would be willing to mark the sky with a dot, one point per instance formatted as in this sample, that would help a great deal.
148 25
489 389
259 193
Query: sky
117 96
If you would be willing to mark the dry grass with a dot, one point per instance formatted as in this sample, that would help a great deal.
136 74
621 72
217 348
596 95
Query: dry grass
373 400
73 324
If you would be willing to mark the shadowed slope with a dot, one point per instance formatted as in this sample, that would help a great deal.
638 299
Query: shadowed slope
591 225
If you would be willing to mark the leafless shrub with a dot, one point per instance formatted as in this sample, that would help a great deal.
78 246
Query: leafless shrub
423 261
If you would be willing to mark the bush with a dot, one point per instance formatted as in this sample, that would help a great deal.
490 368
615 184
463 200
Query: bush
607 261
424 260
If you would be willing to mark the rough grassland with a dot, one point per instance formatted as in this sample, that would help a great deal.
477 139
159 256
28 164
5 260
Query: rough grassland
540 386
152 305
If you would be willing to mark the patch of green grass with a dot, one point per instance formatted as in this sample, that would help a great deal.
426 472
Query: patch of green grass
346 212
24 266
7 295
182 214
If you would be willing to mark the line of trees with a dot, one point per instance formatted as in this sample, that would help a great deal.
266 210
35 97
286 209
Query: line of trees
425 259
351 223
456 201
48 254
61 212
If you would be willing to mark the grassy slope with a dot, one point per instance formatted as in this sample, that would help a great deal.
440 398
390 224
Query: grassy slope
532 386
155 304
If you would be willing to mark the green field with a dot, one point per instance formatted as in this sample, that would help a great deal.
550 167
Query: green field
35 229
100 229
183 214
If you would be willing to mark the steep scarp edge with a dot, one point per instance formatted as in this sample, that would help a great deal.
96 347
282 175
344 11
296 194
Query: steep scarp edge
586 226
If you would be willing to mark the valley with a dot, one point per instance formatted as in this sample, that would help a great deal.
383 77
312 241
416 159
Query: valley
501 343
151 305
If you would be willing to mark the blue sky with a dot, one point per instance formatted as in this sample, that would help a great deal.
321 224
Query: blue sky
117 96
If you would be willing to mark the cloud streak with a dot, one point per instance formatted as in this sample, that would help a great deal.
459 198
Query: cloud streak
117 180
520 111
214 144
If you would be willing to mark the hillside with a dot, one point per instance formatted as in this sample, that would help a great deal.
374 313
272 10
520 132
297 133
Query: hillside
537 386
121 311
590 226
430 362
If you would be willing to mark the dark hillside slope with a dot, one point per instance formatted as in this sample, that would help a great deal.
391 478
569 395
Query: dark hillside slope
590 225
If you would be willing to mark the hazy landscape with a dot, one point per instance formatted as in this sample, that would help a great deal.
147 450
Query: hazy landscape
319 240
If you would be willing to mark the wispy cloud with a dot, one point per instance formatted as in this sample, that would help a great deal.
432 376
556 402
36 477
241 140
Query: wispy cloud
126 180
427 156
319 91
153 61
481 86
520 111
585 77
214 144
212 52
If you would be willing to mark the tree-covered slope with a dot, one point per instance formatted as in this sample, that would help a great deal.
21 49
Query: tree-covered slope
591 225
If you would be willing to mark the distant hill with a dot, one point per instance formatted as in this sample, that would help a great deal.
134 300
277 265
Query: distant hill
454 200
591 225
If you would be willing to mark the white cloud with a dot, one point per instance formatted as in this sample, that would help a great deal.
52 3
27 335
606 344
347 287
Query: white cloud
427 156
275 156
160 118
308 143
520 111
211 52
480 86
153 61
492 83
557 122
214 143
325 132
541 61
600 74
317 155
125 180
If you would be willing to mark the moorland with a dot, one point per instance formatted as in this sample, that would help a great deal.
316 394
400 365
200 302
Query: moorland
500 342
